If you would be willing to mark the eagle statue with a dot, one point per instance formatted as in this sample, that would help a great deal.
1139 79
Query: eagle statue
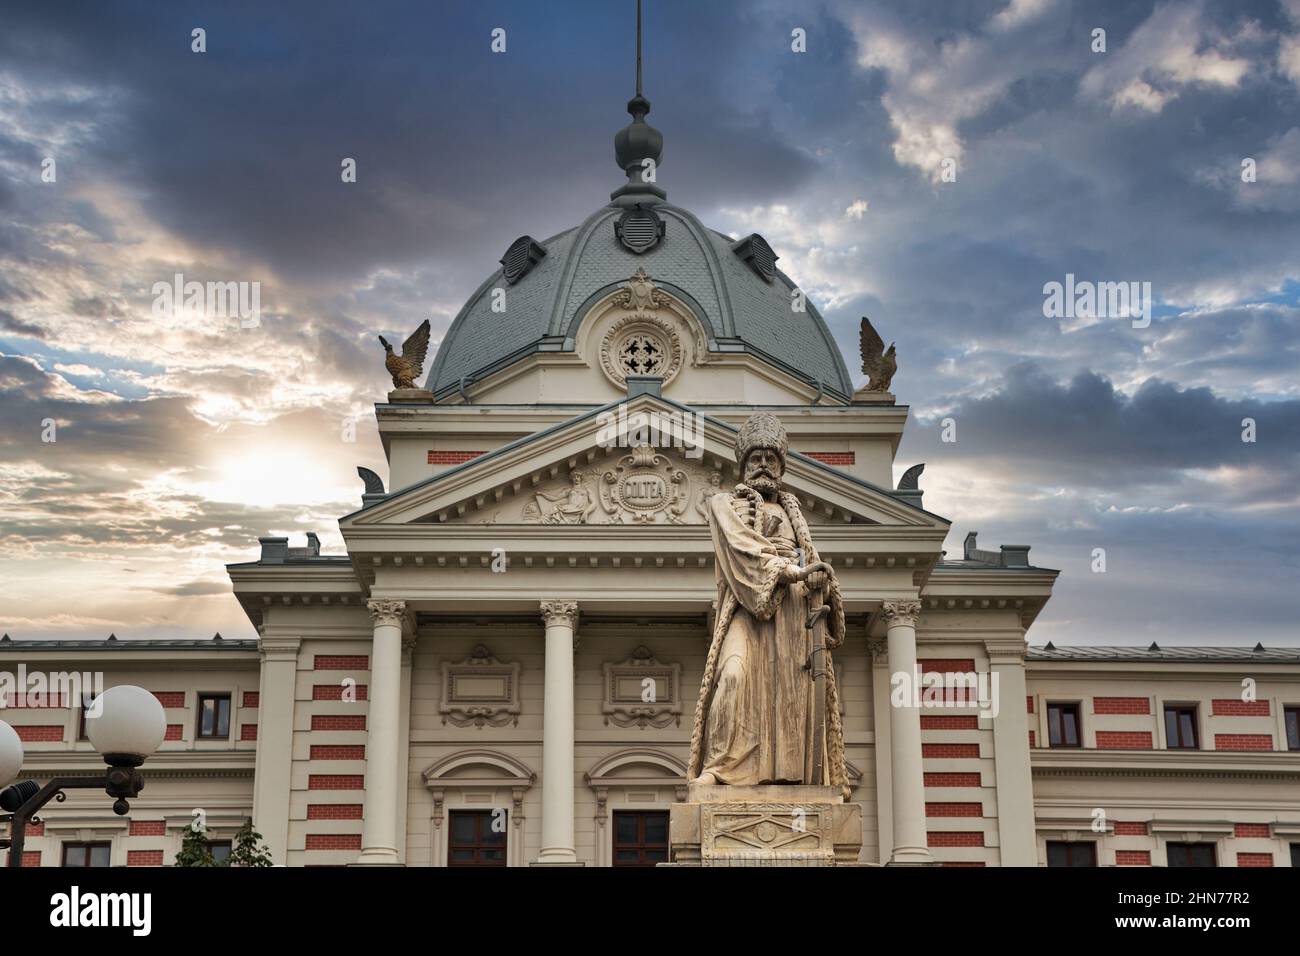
878 362
405 368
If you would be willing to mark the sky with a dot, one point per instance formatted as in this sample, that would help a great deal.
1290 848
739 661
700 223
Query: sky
931 165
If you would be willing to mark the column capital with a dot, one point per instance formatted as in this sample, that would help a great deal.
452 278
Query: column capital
901 612
387 611
560 612
408 648
279 648
878 647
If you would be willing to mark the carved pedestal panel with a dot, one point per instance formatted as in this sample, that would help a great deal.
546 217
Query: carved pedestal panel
764 826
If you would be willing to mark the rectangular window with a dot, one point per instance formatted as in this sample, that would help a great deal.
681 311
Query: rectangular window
220 850
1295 854
478 838
1071 854
640 837
85 854
1063 725
1292 717
81 723
1190 854
1180 727
214 716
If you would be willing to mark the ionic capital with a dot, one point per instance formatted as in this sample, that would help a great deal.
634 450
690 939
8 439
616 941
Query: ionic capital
903 613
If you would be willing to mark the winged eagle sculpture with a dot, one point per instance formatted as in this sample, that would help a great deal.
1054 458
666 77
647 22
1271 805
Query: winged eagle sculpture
408 366
878 363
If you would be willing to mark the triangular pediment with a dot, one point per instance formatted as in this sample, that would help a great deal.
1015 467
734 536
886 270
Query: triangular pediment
590 471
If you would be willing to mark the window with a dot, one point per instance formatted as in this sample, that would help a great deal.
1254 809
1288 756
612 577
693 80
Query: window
214 715
1180 728
1190 854
1295 854
81 722
478 838
1063 725
220 850
85 854
1071 854
1292 718
640 837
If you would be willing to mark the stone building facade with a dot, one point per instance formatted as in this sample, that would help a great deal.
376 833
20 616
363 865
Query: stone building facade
503 667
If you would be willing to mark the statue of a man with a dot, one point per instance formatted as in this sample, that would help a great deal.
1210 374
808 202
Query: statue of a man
755 720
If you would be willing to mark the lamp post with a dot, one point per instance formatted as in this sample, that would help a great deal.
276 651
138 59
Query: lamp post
129 727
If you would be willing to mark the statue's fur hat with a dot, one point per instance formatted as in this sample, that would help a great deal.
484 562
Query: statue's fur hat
762 430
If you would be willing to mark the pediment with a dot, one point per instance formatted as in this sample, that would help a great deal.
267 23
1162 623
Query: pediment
596 470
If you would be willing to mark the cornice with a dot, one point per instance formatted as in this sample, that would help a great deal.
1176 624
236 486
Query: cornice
1162 763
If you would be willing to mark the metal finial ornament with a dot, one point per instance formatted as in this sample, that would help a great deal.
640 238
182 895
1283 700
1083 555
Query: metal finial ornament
638 47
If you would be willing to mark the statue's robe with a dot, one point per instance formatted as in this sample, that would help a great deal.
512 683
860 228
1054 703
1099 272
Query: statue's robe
760 715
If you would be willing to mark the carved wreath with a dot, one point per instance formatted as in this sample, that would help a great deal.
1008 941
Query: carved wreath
641 344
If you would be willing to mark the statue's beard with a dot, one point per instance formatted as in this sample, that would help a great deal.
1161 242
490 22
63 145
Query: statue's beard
763 483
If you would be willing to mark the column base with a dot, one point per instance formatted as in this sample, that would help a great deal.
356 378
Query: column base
377 857
911 856
576 863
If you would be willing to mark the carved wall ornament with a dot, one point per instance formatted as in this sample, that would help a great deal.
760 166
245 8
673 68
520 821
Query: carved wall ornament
645 488
643 342
480 691
640 294
642 692
572 505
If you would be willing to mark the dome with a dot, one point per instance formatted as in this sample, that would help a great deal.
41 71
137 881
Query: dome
738 295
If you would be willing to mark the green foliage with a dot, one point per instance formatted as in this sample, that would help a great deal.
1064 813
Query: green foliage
248 849
194 849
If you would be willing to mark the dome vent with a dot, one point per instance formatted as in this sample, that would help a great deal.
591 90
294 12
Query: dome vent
639 229
524 253
758 254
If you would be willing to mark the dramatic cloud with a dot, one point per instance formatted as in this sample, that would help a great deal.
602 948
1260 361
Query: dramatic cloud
933 168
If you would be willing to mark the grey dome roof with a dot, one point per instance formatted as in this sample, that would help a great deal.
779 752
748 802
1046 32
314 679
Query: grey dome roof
741 311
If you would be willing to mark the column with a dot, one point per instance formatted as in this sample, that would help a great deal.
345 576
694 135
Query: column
1017 837
274 762
379 826
908 780
561 618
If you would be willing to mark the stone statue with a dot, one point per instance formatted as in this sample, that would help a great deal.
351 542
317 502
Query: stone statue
756 721
406 368
878 363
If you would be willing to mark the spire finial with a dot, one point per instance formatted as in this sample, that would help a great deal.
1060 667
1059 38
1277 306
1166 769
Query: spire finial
638 143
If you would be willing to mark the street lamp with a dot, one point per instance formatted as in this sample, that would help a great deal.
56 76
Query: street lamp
129 727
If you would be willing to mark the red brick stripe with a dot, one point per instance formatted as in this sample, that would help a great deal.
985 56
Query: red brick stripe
36 829
1121 705
170 698
964 838
148 828
1029 703
335 692
949 722
338 721
144 857
252 698
39 733
950 751
1239 708
838 458
1243 742
1123 740
334 841
1130 829
1132 857
452 457
336 781
175 732
248 732
341 662
1254 859
1032 741
338 752
31 858
952 779
954 810
333 811
1250 830
946 665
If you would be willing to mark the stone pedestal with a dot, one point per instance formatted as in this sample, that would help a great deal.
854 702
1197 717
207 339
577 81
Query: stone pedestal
863 397
764 826
410 396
